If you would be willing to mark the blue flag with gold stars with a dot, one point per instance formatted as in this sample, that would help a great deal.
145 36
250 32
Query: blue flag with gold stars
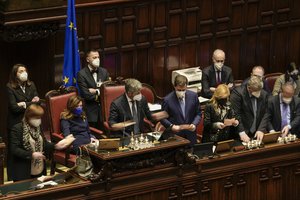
71 51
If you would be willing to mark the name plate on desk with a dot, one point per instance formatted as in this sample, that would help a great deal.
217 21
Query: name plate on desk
109 143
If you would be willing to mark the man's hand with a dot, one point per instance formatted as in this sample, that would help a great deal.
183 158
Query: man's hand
176 128
92 90
244 137
22 104
230 85
192 127
285 130
220 125
35 99
259 135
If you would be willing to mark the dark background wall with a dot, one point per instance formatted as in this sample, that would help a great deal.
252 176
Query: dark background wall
148 39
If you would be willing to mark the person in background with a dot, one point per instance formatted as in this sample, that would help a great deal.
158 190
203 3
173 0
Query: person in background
258 71
73 121
284 111
131 105
21 93
220 121
89 81
216 74
250 105
28 146
291 75
184 111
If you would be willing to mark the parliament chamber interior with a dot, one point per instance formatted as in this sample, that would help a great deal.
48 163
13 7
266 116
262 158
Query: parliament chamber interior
154 55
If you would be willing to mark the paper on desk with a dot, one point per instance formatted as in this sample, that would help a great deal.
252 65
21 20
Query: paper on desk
154 107
202 99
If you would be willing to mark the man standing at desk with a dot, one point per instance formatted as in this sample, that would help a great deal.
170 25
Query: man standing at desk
184 111
89 81
250 104
131 105
284 111
216 74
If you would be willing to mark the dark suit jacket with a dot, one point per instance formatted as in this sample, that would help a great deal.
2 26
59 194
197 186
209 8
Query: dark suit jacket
16 95
120 112
209 79
211 117
85 81
242 105
20 157
171 105
274 114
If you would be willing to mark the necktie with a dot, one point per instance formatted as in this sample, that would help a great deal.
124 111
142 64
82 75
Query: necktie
284 115
182 106
219 77
254 106
135 118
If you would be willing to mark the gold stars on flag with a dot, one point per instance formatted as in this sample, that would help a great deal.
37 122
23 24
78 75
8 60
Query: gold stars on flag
66 80
71 26
74 80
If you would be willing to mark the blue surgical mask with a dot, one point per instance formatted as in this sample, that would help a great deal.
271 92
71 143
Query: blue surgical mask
77 111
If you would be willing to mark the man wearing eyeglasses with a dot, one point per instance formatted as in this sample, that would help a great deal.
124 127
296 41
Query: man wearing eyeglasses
216 74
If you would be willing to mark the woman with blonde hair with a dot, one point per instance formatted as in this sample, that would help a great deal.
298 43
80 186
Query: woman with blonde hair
220 121
73 121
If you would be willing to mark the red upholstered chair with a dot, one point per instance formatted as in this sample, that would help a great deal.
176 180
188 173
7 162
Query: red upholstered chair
271 78
56 101
109 90
150 94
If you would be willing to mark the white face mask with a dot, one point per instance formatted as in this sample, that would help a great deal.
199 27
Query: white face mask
286 100
256 94
137 97
219 65
180 94
96 62
35 122
23 76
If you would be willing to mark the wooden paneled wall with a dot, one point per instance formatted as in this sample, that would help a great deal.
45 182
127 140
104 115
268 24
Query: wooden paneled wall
148 39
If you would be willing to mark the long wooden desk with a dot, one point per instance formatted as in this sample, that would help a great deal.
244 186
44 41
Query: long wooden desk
272 172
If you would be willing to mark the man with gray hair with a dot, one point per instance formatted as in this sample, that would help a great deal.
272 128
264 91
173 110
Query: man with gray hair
250 104
284 111
131 105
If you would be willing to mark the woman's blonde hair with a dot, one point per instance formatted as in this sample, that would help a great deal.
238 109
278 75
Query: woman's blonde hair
221 92
72 103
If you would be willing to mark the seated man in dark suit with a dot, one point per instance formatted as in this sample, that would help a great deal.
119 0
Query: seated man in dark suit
250 104
284 111
184 111
216 74
132 105
89 80
259 71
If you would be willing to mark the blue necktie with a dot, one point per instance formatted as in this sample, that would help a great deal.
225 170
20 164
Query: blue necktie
284 115
182 105
135 118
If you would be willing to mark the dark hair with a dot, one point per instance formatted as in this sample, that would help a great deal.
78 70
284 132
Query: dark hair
90 51
289 68
180 80
13 79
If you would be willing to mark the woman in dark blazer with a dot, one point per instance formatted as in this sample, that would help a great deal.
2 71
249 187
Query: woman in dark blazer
220 121
29 148
74 122
21 93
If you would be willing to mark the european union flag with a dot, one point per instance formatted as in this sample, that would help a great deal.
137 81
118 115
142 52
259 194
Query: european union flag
71 51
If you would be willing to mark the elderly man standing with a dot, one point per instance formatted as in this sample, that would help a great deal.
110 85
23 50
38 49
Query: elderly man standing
216 74
250 104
